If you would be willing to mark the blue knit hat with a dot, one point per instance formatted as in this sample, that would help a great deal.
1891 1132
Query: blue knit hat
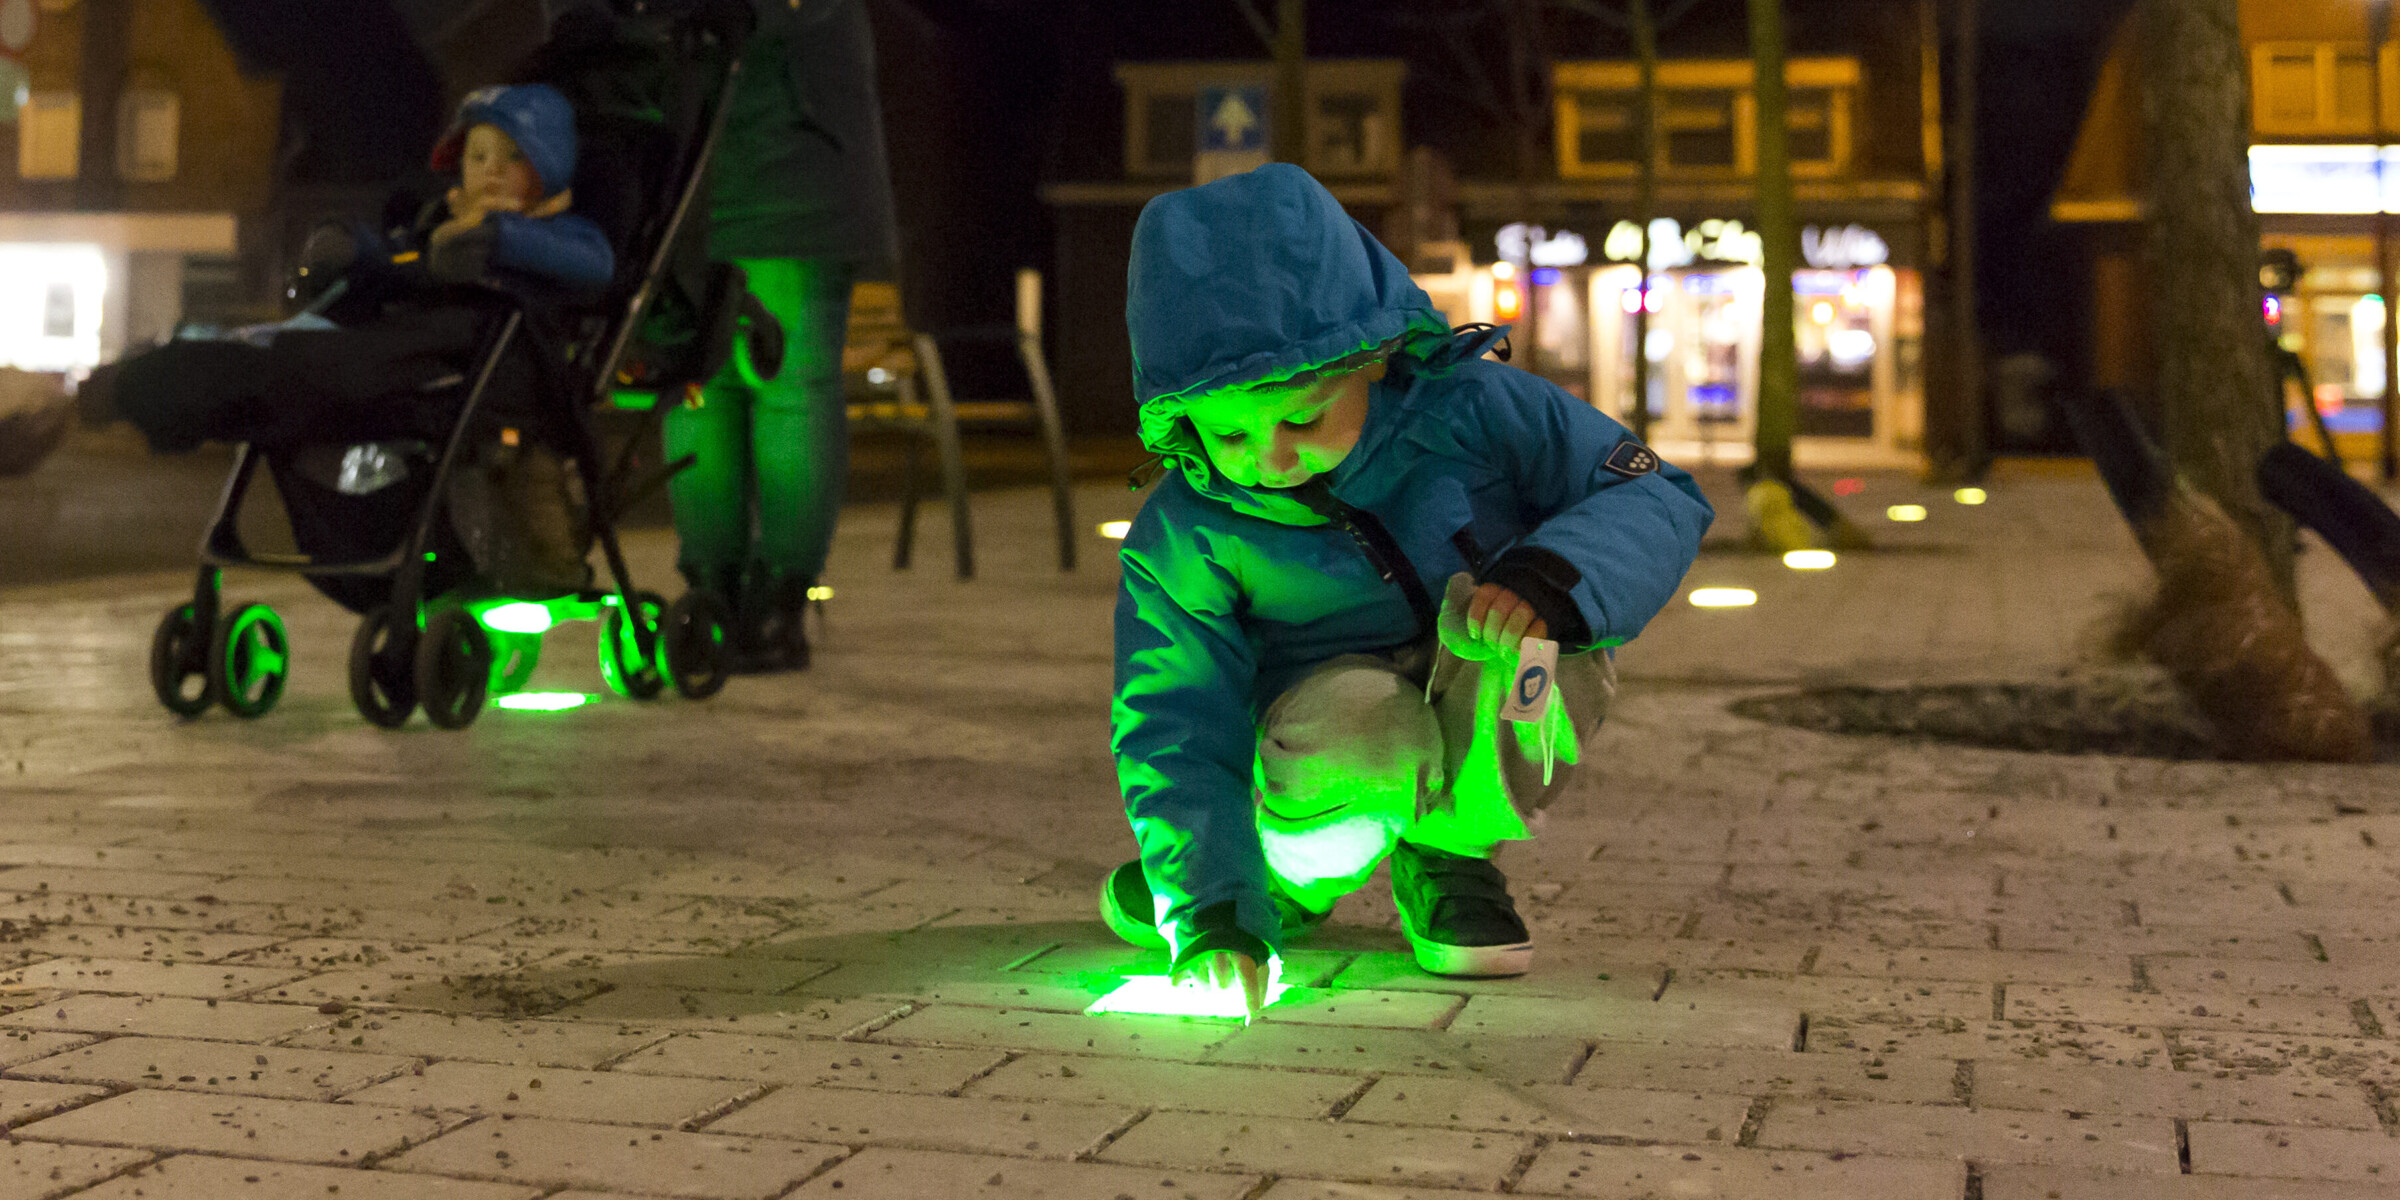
535 116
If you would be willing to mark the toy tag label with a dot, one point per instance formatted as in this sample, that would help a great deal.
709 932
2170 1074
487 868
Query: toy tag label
1537 671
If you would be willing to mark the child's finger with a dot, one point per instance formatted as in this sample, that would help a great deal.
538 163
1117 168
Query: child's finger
1513 633
1495 621
1481 604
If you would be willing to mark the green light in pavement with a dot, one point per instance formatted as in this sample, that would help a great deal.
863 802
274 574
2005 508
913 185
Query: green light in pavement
1157 996
517 617
542 701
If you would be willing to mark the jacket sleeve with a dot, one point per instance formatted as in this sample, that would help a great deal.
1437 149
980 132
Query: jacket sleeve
1614 528
565 249
1184 738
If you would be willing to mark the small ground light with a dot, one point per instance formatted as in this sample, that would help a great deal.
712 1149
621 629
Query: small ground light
1159 996
1905 513
1808 560
517 617
541 701
1723 597
1970 496
820 592
1115 529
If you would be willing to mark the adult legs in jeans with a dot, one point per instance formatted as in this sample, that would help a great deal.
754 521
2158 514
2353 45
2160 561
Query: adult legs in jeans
756 511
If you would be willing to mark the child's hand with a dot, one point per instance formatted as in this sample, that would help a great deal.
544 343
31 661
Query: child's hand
1501 619
1230 969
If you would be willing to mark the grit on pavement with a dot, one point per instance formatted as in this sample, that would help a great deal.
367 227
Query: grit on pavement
833 933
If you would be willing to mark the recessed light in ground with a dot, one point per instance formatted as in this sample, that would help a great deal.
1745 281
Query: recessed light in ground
1808 560
1723 597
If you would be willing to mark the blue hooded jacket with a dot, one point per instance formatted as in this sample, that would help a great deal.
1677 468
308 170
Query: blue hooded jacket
1231 594
566 248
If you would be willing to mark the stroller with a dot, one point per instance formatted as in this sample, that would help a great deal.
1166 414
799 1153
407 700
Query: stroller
379 526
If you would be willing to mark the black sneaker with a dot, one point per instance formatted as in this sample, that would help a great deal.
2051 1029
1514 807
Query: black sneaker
1458 915
1126 905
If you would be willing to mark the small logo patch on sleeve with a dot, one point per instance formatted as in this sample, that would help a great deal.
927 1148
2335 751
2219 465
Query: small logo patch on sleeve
1632 459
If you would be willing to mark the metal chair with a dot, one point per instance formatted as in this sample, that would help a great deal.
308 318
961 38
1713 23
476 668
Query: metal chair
897 383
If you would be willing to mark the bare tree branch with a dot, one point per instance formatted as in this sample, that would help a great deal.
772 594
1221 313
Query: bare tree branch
1258 22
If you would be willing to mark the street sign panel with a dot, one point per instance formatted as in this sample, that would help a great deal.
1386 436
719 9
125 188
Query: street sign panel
1232 130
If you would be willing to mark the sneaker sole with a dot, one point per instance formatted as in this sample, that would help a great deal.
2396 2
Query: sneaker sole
1473 962
1139 933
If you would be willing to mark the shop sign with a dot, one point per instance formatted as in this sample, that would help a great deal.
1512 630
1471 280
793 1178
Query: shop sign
1844 248
1671 245
2320 179
1525 243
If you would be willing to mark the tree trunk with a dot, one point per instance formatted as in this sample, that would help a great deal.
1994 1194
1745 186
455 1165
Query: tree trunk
2214 382
1289 135
1778 351
1645 200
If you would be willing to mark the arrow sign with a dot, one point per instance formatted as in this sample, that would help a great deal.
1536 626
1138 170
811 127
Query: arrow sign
1232 119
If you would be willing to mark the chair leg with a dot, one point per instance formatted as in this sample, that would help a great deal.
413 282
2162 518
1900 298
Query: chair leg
904 545
953 457
1054 438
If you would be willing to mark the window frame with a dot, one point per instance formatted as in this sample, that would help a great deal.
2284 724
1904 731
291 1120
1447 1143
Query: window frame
1840 77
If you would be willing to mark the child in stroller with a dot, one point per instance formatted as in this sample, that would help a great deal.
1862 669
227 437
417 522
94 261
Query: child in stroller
392 369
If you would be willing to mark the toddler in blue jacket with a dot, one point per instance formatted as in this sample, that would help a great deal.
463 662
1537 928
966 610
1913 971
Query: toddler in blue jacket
1324 601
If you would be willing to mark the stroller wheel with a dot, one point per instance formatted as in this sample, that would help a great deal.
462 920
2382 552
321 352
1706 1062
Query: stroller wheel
694 643
178 657
248 660
514 656
622 664
454 668
383 665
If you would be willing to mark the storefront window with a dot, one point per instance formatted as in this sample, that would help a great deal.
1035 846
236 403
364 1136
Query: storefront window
1834 321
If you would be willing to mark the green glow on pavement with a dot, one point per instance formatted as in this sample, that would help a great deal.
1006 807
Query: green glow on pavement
1158 996
516 617
542 701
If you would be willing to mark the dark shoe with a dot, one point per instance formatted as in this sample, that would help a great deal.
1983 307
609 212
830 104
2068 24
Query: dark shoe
779 625
1457 914
1128 909
1126 905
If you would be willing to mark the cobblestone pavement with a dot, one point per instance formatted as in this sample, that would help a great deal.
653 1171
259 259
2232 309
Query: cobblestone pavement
832 933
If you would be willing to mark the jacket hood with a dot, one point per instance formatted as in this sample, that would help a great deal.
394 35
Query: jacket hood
1256 278
536 116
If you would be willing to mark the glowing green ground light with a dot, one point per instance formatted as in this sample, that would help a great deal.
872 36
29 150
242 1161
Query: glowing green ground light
541 701
519 616
1158 996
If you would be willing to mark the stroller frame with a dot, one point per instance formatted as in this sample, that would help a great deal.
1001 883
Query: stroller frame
442 656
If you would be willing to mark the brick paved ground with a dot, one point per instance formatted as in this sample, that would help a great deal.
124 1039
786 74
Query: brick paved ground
832 933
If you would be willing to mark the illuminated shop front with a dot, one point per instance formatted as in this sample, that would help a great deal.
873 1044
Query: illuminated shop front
1858 320
2317 203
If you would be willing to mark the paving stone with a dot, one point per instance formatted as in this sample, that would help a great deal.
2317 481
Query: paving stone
1190 1087
141 977
976 1125
2160 1092
1555 1109
1980 964
1874 1000
928 1070
1757 1072
103 881
2012 1182
202 1177
2067 1041
18 1046
224 1067
1714 1020
576 1045
653 1163
290 1130
599 1097
91 940
22 1101
38 1170
1318 1149
1143 1037
882 1174
172 1016
1364 1009
2320 1015
1725 1173
1334 1189
1993 1135
1405 1052
750 1012
2351 1155
1603 973
662 935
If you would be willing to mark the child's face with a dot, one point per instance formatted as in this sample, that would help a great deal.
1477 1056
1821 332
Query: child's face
494 175
1284 436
